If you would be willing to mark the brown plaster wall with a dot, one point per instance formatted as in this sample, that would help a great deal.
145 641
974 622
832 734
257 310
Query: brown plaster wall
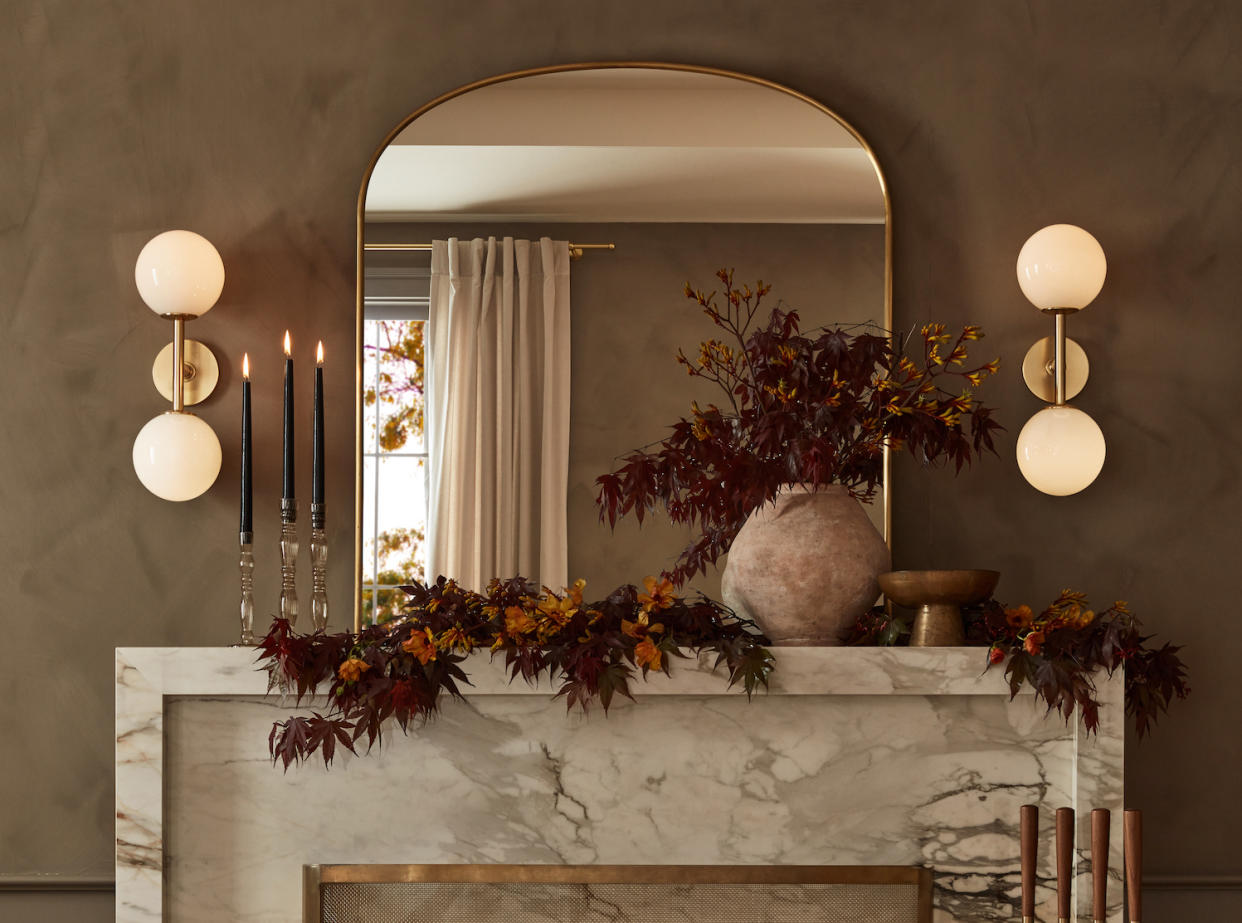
251 123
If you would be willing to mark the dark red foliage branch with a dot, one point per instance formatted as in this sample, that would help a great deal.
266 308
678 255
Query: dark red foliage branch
400 670
812 408
1059 651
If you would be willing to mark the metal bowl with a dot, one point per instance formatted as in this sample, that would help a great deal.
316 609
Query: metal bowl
938 596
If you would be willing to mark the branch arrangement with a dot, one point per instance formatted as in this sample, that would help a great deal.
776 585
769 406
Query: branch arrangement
813 409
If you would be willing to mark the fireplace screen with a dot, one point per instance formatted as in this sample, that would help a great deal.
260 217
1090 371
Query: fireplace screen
616 894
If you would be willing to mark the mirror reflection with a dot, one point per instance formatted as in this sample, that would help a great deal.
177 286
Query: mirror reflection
527 245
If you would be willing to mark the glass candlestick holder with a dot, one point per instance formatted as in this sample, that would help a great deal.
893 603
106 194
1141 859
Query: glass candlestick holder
289 560
246 565
319 565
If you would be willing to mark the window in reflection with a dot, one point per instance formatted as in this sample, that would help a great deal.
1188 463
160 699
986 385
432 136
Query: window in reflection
394 451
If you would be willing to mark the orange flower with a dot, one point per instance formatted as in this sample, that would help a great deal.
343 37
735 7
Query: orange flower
558 610
352 669
421 644
646 654
1019 617
996 655
518 621
659 594
1034 642
639 628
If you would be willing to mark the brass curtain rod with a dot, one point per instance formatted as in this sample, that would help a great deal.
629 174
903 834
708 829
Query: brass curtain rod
575 250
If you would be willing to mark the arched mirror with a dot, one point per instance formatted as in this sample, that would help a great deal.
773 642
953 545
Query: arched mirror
524 244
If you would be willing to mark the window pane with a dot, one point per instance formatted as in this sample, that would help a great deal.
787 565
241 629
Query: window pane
368 519
390 603
399 362
370 331
401 520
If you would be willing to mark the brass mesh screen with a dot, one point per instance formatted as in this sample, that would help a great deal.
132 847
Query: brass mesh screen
535 902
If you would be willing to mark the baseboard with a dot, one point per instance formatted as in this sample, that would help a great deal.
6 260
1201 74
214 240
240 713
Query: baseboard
1192 882
55 883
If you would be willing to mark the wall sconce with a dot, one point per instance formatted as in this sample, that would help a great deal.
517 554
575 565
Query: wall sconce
1061 449
180 276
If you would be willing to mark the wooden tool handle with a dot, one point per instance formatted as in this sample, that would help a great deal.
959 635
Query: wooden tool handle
1100 820
1065 860
1134 863
1030 846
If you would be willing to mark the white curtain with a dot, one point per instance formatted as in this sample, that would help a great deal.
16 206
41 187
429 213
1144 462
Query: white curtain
497 417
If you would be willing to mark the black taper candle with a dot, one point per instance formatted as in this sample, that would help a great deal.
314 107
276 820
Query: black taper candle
288 492
247 482
317 435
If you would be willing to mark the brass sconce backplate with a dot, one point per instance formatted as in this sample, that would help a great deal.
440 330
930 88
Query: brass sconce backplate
1038 370
202 372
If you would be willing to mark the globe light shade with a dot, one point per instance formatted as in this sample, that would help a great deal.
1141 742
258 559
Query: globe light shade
1060 450
177 456
179 272
1061 266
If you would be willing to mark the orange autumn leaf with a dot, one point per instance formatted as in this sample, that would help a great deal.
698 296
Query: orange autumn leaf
455 638
518 621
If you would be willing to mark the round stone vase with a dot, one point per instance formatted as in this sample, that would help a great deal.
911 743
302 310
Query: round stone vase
804 567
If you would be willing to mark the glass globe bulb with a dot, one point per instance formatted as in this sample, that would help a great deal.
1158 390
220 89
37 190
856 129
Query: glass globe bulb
179 272
1060 450
1061 266
177 456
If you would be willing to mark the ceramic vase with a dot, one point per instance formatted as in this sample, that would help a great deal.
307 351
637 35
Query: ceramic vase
804 567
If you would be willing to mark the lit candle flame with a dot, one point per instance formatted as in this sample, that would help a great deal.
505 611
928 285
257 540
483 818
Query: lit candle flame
319 354
288 344
246 366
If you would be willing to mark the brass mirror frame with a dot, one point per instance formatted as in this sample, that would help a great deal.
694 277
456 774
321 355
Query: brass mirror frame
360 294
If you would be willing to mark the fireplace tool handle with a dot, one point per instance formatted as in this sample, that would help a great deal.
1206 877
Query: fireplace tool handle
1065 862
1134 863
1100 821
1029 844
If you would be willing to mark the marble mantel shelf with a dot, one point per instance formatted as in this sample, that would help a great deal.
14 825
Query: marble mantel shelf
934 756
799 671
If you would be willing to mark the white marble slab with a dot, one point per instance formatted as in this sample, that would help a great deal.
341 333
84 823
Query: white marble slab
856 756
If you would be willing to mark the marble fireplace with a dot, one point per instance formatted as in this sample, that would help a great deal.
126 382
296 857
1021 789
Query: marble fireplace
856 756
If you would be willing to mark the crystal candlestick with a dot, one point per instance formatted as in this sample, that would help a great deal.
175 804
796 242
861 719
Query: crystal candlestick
289 560
247 588
319 564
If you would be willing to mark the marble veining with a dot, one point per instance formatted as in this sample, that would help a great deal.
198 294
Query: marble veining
856 756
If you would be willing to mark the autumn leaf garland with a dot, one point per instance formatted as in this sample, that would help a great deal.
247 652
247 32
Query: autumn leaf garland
400 670
1058 651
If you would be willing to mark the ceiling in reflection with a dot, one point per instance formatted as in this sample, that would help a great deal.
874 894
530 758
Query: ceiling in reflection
642 146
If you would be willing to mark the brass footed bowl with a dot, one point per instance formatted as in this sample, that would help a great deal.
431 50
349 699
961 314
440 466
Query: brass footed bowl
937 597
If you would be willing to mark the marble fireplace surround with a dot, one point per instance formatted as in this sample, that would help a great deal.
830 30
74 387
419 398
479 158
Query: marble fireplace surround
889 756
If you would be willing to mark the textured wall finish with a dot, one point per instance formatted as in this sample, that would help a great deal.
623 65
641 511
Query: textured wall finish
251 123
